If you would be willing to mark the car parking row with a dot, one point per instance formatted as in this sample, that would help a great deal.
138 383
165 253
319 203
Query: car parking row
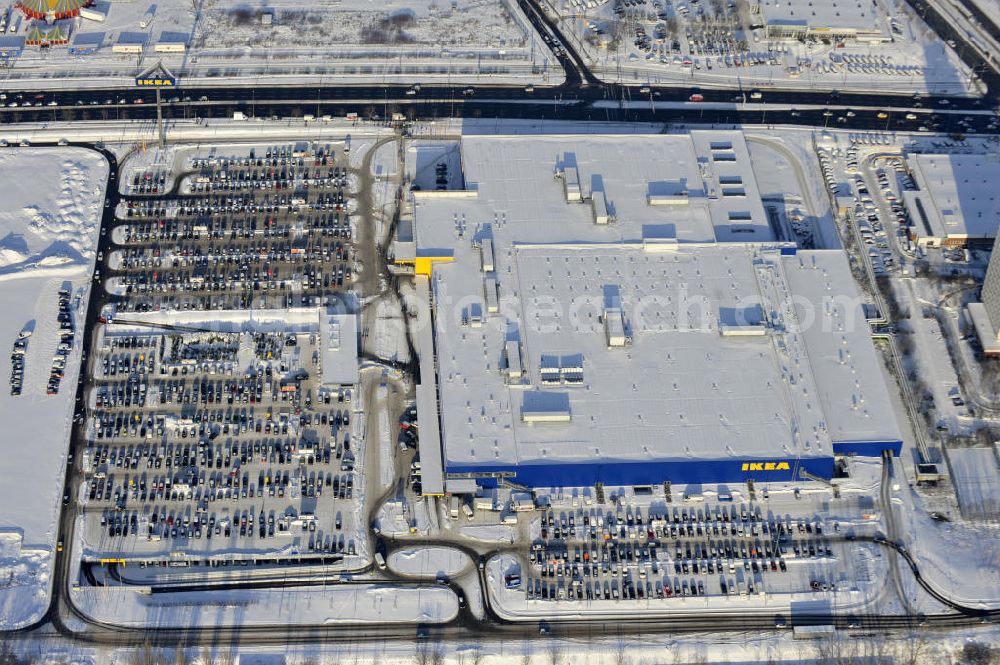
667 551
283 155
750 520
66 336
241 282
17 363
264 177
641 588
149 181
187 483
259 252
233 230
162 523
295 203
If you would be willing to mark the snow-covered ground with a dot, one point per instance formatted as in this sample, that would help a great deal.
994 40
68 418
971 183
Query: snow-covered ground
975 473
961 559
48 232
332 604
915 60
203 41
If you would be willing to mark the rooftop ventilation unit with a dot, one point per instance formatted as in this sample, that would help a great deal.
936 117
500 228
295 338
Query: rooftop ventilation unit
486 255
512 349
571 184
600 208
614 328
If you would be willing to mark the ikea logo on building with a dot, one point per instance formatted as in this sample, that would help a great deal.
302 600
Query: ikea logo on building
156 82
766 466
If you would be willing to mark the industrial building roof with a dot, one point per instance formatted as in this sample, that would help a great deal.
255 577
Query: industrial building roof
846 367
696 187
837 15
561 339
678 388
431 453
956 197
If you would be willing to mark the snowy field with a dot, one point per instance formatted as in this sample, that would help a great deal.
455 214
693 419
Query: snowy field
363 39
915 59
379 24
48 231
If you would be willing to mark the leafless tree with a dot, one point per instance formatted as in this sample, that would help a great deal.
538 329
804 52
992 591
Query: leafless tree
8 657
914 650
423 654
977 653
621 652
147 655
555 654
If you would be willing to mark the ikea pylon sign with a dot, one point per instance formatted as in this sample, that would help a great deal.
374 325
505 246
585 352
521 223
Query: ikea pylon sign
766 466
156 76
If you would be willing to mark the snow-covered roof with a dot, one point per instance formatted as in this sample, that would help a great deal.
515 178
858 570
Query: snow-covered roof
956 196
339 342
837 15
516 178
617 342
847 370
679 389
432 465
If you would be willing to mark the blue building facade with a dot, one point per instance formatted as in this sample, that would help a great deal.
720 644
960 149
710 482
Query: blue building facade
868 448
611 472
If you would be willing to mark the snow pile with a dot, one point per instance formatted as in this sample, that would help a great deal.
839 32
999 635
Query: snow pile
24 573
428 561
51 209
333 604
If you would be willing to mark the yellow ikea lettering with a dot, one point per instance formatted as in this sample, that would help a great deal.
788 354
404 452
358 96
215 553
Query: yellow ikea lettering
766 466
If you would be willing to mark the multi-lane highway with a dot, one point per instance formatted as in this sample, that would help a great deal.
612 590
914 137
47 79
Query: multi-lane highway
604 103
580 97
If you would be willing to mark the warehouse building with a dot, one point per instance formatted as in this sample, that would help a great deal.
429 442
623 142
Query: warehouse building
985 315
563 350
830 20
956 204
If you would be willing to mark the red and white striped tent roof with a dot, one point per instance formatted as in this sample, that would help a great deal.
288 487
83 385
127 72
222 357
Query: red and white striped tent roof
40 9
